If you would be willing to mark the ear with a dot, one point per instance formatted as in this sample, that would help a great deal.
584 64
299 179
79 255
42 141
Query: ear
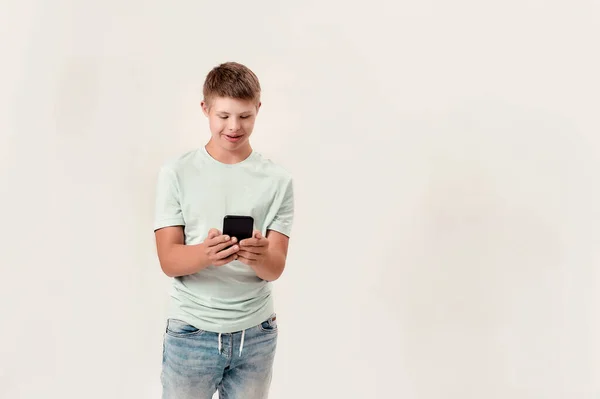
258 106
204 106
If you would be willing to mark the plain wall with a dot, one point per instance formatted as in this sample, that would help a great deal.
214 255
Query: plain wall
446 158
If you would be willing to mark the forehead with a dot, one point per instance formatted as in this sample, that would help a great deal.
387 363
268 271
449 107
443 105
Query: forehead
232 105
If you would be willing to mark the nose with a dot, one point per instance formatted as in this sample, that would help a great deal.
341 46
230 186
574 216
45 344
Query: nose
234 124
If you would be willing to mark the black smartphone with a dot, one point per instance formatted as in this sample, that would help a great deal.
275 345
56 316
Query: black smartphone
240 227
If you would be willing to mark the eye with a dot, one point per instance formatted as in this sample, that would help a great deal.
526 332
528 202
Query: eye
245 116
223 117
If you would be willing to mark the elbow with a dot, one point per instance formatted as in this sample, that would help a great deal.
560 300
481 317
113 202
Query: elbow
269 273
167 268
276 271
272 277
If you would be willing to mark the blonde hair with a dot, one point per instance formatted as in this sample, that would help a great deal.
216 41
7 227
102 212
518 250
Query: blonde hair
233 80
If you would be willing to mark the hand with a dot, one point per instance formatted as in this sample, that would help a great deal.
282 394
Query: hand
253 251
215 245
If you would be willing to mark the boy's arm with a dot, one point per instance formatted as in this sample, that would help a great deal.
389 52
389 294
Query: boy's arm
177 259
271 266
267 257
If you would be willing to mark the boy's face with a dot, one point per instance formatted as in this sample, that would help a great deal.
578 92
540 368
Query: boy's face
231 121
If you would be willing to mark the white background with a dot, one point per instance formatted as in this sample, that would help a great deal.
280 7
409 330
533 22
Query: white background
446 158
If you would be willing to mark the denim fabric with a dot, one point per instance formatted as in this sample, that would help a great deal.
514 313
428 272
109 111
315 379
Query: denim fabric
194 367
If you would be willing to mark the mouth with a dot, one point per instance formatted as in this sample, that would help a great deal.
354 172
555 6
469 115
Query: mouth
233 138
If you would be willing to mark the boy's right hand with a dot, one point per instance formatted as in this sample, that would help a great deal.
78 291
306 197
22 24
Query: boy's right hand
214 246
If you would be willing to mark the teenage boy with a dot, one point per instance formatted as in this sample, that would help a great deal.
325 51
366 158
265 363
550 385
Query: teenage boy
221 329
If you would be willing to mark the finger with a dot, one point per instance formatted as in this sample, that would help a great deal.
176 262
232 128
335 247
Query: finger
247 261
249 242
253 250
218 240
254 242
248 255
226 260
218 247
212 233
227 252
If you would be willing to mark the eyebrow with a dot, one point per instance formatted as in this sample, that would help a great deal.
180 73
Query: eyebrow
227 113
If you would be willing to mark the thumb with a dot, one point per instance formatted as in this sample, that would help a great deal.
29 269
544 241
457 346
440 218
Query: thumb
257 234
212 233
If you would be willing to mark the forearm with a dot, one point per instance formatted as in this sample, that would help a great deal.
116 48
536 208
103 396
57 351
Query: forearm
182 260
272 267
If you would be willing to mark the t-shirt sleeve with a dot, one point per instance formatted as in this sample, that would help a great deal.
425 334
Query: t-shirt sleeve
167 204
283 220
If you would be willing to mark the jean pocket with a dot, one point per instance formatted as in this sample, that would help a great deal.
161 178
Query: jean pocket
179 328
269 325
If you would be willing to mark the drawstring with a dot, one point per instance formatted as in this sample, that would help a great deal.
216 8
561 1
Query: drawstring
241 345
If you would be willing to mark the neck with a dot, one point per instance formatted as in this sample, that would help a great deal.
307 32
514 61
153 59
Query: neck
226 156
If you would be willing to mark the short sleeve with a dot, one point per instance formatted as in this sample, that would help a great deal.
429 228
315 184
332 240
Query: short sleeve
283 220
167 204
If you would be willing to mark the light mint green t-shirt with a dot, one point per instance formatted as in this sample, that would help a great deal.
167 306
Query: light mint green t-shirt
196 191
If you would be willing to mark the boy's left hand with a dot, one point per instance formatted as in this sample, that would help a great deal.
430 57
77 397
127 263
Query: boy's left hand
253 251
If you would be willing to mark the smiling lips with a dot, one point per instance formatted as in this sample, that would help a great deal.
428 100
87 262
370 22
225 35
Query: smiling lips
233 138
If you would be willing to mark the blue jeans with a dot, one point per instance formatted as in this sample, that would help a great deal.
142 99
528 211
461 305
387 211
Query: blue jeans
197 363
